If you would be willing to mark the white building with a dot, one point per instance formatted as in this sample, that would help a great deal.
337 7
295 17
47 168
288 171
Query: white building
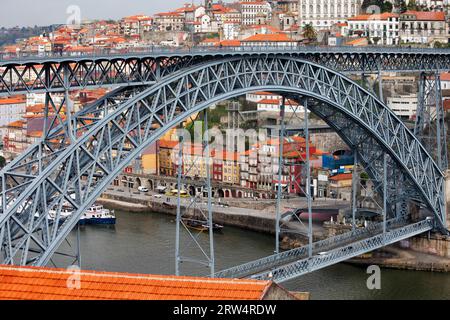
260 95
323 14
274 105
250 9
170 21
405 106
445 81
423 27
12 109
430 3
382 29
231 30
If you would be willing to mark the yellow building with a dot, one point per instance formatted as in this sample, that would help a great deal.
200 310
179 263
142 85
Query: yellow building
165 157
231 168
150 161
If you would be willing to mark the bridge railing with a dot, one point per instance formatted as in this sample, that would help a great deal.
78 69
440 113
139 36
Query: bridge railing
349 251
298 253
157 51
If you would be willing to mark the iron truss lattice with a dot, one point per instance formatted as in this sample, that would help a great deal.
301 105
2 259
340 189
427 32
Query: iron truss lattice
302 266
80 157
54 73
287 257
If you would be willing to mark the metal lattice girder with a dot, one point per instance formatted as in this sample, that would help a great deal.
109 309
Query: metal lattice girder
286 257
317 262
46 74
430 125
49 76
113 132
370 155
194 249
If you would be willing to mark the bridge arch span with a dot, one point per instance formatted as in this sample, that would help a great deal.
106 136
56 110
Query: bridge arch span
114 131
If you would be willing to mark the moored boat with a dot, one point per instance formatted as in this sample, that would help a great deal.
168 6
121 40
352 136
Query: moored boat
97 214
200 225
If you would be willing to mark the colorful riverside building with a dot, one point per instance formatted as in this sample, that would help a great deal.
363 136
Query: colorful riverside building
255 169
12 109
260 165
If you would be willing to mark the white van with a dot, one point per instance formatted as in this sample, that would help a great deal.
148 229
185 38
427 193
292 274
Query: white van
142 189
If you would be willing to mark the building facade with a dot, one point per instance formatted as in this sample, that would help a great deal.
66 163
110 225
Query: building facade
323 14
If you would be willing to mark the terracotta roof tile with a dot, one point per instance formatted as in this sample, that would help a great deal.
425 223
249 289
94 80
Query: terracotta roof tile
45 283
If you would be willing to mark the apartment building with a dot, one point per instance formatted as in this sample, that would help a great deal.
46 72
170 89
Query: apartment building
170 21
250 9
135 25
417 27
323 14
12 109
404 106
381 29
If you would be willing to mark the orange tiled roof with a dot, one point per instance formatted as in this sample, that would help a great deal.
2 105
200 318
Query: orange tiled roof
426 16
275 37
366 17
13 100
445 76
16 124
358 41
167 144
51 284
229 43
270 101
342 176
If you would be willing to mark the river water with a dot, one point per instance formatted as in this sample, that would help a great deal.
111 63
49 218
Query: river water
145 243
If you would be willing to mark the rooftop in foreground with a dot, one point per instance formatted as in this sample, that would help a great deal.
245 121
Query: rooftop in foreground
29 283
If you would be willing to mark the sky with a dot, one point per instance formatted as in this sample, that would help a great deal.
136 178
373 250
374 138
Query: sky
46 12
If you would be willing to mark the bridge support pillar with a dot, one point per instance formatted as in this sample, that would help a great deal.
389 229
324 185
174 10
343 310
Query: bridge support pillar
355 182
299 182
430 125
385 195
308 180
280 176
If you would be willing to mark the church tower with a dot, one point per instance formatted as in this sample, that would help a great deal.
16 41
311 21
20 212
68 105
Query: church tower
209 7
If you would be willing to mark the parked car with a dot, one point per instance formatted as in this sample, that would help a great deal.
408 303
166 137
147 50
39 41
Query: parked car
142 189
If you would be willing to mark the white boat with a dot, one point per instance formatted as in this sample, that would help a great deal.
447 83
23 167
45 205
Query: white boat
66 212
97 214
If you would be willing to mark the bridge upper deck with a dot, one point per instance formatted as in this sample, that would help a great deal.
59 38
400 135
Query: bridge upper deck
158 52
24 73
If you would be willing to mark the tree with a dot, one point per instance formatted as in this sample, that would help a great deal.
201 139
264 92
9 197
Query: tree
309 32
376 40
412 5
2 162
401 6
385 6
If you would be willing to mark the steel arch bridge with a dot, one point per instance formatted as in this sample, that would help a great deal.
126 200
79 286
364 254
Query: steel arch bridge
81 156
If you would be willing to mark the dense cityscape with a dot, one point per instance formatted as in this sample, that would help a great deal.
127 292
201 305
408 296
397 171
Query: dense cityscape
245 23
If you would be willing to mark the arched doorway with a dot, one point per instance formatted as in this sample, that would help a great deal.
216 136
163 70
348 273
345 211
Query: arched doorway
125 181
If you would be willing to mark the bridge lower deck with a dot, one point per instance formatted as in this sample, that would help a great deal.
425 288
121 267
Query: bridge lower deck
294 263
